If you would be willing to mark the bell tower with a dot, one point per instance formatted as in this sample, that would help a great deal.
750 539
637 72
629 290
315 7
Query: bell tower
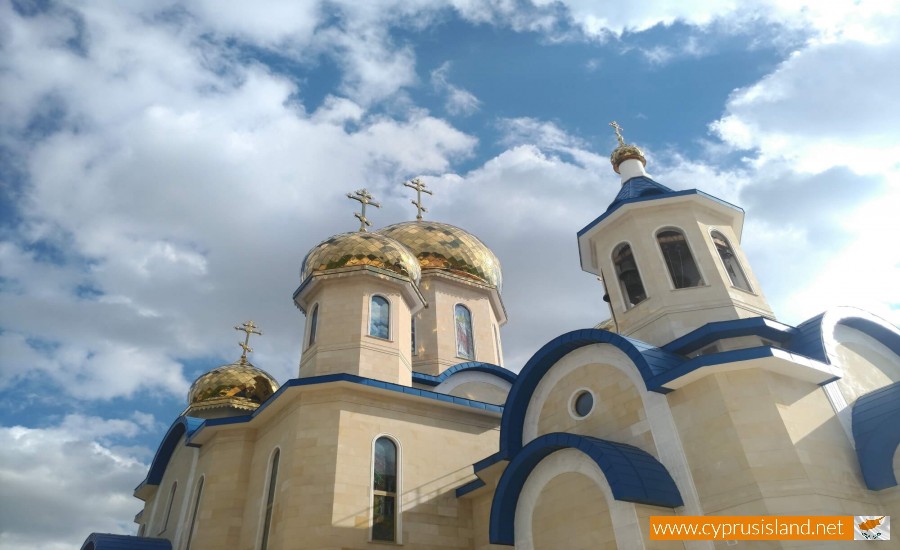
671 260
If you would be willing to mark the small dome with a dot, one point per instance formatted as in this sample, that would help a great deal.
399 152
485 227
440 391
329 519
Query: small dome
239 385
624 152
449 248
361 248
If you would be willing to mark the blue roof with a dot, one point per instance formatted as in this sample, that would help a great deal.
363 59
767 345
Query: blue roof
474 366
876 432
106 541
633 476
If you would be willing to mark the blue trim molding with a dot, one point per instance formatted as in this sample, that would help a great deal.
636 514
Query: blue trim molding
649 360
633 476
183 426
474 366
106 541
876 431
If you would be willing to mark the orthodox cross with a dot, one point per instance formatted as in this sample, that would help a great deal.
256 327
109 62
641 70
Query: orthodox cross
250 328
420 188
618 130
364 198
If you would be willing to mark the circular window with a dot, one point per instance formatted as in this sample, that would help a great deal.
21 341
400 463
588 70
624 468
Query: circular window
583 403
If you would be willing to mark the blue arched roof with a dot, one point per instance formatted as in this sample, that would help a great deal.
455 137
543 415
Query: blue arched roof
106 541
876 431
648 360
183 425
811 334
475 366
633 476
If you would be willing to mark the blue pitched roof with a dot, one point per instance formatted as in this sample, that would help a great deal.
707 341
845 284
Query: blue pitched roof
877 435
633 476
106 541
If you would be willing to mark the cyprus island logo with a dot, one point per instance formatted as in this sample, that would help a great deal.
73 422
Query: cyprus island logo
871 527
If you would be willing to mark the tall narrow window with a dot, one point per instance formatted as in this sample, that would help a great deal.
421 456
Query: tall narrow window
380 317
194 515
270 500
169 507
412 335
628 276
384 490
679 259
465 346
313 324
497 345
730 261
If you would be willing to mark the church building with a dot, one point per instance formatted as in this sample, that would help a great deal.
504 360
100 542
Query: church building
403 427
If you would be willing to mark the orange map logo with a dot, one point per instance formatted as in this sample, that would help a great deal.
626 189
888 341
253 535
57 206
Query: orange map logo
872 527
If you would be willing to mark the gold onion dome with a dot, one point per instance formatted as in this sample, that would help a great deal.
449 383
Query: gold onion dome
441 246
624 151
239 385
361 249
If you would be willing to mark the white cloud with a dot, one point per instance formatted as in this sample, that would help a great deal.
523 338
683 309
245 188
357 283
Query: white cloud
62 482
459 101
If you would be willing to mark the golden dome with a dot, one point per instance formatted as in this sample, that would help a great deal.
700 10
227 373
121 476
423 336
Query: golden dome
361 248
239 385
446 247
624 152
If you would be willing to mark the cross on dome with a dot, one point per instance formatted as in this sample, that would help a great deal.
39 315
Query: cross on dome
618 130
420 188
364 198
250 328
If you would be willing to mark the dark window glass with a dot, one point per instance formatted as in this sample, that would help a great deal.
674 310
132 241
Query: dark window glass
169 508
465 346
629 278
313 324
412 325
584 403
679 259
380 318
194 515
270 500
730 262
384 485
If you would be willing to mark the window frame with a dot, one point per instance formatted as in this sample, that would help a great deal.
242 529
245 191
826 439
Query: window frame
471 331
622 290
192 526
171 504
690 248
712 235
267 511
390 323
313 329
398 515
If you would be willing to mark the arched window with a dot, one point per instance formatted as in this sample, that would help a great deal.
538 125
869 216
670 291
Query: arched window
380 317
270 500
465 344
313 324
384 490
628 276
169 507
412 335
732 266
194 515
679 259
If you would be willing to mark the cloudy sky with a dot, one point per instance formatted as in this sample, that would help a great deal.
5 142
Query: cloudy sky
165 166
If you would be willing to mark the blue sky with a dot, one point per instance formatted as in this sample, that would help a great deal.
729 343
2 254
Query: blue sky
165 166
